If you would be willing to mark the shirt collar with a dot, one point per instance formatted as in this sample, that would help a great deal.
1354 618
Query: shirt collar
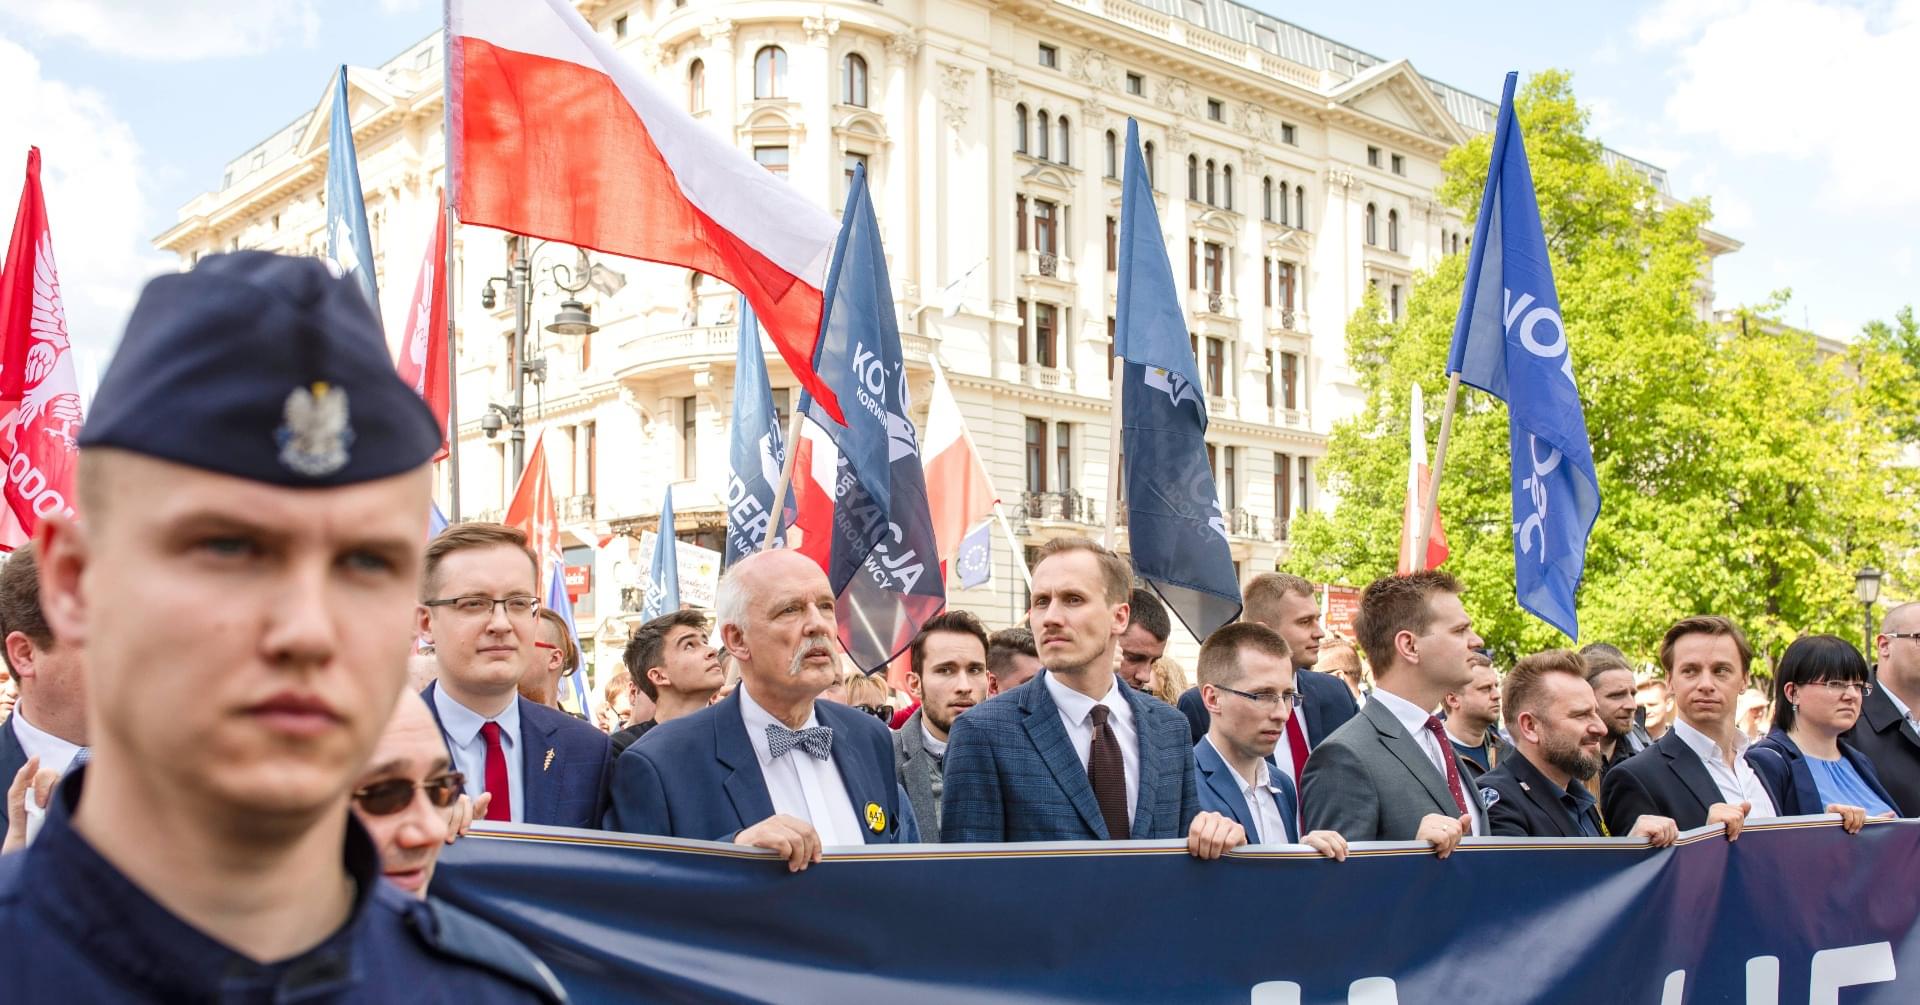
1704 745
1078 707
757 719
463 724
936 747
1582 799
54 753
1898 705
1412 716
1262 777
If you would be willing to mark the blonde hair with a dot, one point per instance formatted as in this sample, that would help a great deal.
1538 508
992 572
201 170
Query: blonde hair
1169 680
863 689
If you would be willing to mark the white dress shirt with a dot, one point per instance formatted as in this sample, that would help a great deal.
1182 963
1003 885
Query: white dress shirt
1260 795
1076 713
462 728
801 784
1898 705
1413 719
54 753
1283 751
1737 782
937 748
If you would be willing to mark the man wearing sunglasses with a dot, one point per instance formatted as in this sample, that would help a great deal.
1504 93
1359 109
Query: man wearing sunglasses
254 477
478 610
409 798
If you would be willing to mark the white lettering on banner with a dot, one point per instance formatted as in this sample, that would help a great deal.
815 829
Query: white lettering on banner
891 571
33 487
745 512
1535 485
1529 325
870 380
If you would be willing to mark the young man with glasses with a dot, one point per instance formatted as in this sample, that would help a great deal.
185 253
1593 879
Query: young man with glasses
478 610
1889 728
1247 681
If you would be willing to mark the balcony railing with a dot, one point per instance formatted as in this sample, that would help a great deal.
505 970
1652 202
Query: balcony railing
1286 319
1048 264
1280 529
1058 507
1241 523
633 599
1216 303
578 507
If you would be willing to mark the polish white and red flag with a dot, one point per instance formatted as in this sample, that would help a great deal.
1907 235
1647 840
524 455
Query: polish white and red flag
40 411
423 352
556 136
960 493
1418 485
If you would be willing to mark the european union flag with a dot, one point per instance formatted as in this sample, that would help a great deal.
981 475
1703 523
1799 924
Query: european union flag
884 565
1174 525
976 557
1509 342
756 450
349 243
663 580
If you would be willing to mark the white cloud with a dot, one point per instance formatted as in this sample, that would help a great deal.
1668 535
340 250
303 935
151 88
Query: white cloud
1732 212
176 30
91 173
403 6
1801 79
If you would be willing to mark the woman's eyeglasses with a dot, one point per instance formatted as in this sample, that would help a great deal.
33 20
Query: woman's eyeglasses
884 713
384 799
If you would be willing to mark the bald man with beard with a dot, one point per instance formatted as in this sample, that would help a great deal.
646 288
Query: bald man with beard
771 766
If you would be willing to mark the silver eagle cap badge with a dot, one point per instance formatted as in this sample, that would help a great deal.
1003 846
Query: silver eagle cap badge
314 435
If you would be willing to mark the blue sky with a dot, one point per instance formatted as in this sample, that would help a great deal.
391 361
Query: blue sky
1774 109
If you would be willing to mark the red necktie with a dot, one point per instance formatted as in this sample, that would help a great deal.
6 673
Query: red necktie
501 808
1453 767
1107 774
1297 745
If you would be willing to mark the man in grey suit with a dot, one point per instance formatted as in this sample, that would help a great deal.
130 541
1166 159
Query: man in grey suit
947 675
1389 774
1075 755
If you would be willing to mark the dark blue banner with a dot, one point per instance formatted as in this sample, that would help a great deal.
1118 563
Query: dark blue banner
1794 911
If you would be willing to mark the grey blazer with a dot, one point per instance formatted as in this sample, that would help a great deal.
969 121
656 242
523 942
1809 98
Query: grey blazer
1370 781
916 769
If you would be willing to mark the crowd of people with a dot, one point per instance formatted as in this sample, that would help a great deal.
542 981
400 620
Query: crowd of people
217 656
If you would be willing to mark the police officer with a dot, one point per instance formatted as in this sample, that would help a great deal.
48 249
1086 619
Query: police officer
255 484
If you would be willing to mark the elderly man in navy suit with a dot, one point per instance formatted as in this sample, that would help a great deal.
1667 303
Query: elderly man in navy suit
1075 755
771 766
1247 682
479 609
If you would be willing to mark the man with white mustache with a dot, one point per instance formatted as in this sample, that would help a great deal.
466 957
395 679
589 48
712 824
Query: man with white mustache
770 766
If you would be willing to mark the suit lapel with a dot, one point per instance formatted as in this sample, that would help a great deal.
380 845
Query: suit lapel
1404 747
1540 791
1881 716
1217 777
865 781
538 787
918 782
1686 764
746 786
1287 800
1150 775
1051 742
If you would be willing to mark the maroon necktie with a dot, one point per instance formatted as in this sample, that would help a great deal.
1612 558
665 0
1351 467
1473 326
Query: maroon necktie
501 808
1453 766
1297 745
1107 773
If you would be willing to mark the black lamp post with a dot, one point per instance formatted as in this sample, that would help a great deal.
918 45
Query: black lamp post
1866 589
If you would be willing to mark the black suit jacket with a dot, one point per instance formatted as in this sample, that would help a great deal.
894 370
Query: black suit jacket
12 758
1328 703
1666 779
565 765
1522 802
1892 744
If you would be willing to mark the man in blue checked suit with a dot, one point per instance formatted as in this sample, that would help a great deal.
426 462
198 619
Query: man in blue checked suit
772 766
1074 755
1247 681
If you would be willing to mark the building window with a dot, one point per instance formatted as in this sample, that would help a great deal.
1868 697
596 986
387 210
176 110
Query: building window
1216 267
1226 186
1212 176
1306 487
1456 243
689 438
1216 110
1282 494
1045 333
1299 207
1193 178
1036 455
1266 283
1269 378
1113 155
774 159
1136 84
1113 244
1230 478
1065 153
1393 303
1147 158
853 80
770 72
697 86
1216 367
1290 380
1020 306
1393 230
1371 232
620 26
854 162
1193 264
1045 227
1399 165
1063 457
1289 135
1049 56
589 441
1042 135
1019 129
1373 157
1113 335
1287 273
782 406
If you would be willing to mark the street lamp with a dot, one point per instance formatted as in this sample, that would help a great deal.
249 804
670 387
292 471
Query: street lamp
573 319
1866 589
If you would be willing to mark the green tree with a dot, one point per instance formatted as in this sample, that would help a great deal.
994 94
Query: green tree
1740 472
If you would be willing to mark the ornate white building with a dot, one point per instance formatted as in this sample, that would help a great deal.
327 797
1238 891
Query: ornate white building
1293 173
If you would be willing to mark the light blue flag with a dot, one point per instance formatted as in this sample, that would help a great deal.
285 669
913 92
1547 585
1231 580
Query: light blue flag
976 557
756 452
560 603
1176 531
349 242
436 521
663 581
1509 342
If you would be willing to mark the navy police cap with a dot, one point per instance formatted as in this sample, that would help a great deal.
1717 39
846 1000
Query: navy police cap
262 366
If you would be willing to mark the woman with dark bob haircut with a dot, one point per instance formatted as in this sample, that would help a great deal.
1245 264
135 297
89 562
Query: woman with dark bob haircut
1818 689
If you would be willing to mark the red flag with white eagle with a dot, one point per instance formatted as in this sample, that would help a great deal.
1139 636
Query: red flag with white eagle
423 353
40 429
556 135
532 509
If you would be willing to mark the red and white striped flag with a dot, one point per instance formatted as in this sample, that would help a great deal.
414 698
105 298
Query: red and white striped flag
1417 488
959 492
556 136
423 354
39 398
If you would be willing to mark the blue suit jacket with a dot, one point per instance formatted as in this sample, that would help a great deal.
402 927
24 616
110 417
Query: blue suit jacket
1220 793
1328 702
698 776
1012 773
1666 779
571 789
13 757
1783 770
